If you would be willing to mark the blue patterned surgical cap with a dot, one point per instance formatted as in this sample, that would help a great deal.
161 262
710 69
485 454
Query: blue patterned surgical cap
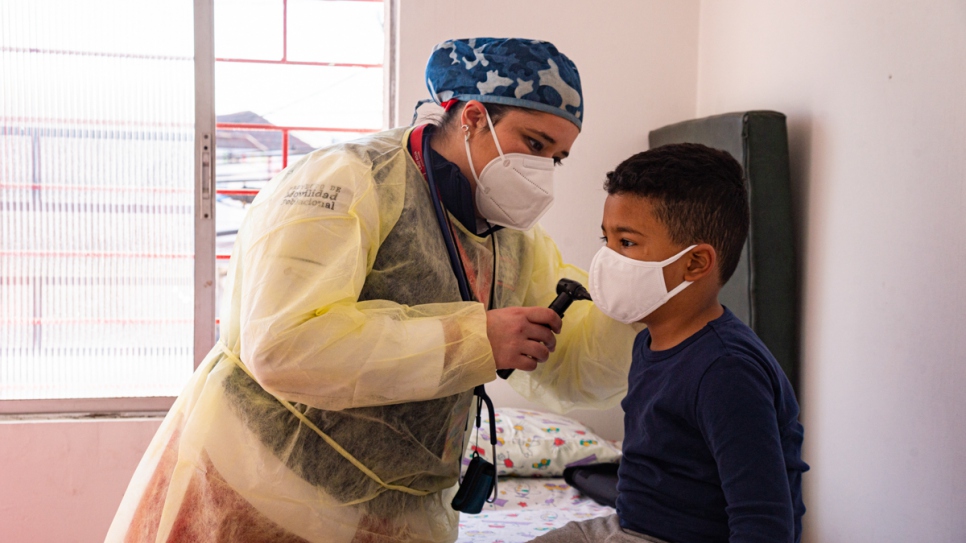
510 71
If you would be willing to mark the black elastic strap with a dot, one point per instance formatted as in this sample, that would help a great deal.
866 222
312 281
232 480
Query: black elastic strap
480 392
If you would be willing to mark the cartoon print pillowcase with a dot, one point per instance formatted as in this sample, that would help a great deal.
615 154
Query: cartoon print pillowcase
537 444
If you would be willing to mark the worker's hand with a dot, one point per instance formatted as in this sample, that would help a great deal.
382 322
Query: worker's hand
522 337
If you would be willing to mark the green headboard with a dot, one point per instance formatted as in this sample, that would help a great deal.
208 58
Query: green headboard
763 291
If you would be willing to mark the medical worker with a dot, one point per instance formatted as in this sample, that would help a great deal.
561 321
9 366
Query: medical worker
374 284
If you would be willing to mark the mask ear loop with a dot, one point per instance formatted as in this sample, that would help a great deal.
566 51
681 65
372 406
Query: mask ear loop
469 155
495 140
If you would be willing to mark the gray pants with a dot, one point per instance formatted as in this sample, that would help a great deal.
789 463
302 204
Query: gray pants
601 529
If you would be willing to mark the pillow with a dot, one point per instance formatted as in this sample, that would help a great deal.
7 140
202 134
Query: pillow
537 444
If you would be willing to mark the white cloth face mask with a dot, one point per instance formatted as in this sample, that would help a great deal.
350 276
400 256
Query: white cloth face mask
513 190
628 290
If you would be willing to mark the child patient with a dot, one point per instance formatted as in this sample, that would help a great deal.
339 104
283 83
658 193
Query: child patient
712 442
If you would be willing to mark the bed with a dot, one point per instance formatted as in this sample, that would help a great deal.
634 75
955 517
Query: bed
533 449
528 507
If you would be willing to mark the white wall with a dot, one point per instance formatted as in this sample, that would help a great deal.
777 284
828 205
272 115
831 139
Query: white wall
638 67
875 93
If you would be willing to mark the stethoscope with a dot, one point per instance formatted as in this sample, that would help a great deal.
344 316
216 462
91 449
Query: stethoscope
480 477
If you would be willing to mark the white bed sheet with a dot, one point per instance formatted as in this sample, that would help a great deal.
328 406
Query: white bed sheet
526 508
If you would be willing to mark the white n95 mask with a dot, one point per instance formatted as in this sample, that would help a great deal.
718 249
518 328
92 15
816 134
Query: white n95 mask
513 190
628 290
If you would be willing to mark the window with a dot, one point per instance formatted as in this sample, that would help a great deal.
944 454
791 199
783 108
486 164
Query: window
107 224
326 87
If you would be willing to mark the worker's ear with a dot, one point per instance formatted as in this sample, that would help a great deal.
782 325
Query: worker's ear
474 116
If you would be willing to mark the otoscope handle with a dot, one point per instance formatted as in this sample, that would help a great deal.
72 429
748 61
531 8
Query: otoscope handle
561 303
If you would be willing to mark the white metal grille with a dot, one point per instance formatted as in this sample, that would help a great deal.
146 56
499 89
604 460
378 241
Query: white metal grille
97 187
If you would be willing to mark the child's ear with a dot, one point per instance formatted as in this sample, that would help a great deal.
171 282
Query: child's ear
702 261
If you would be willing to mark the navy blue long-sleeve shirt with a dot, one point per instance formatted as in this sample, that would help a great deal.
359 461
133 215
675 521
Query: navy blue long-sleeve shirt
712 442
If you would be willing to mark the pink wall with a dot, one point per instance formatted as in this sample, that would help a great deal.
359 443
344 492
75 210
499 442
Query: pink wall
62 480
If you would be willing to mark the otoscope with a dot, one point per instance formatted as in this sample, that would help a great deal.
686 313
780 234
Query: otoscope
568 290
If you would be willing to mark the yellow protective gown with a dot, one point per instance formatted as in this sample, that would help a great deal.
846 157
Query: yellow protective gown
334 407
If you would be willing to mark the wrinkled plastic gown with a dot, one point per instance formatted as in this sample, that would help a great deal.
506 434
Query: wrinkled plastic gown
344 305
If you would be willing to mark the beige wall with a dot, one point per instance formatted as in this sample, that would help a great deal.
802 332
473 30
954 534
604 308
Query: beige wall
875 93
